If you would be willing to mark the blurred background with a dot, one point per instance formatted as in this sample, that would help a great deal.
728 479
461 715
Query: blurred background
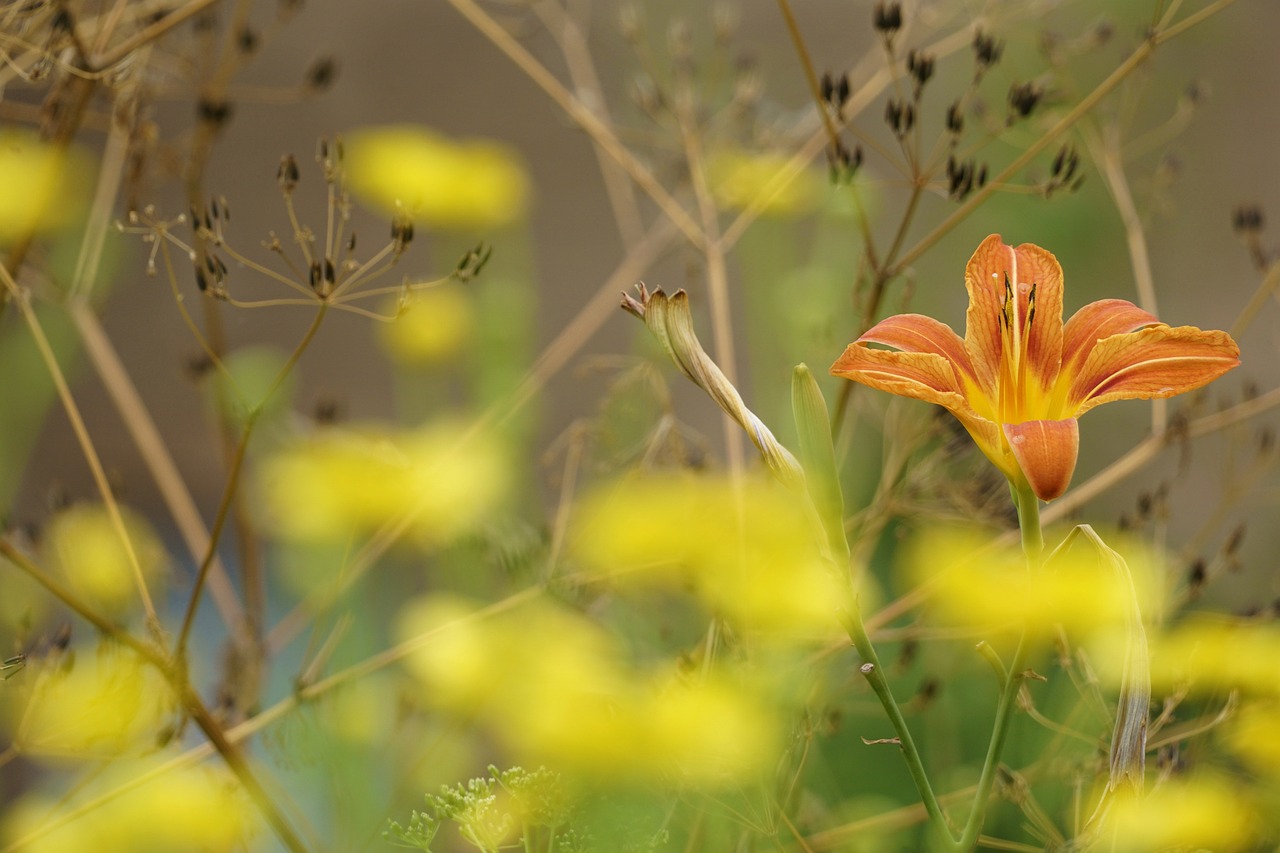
1198 109
1194 129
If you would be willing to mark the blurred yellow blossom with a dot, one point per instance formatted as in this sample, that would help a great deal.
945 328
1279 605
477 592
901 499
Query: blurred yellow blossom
754 554
1254 735
44 186
740 178
554 687
188 808
83 545
1189 813
447 184
1212 653
95 703
343 482
434 325
980 584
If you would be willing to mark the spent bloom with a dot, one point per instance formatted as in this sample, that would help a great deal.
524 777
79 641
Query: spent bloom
1020 378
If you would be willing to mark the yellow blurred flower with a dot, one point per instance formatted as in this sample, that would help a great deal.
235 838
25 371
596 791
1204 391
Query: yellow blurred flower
1181 814
447 184
99 703
1212 653
1254 735
82 544
553 687
979 584
191 808
754 555
738 178
44 187
344 482
435 324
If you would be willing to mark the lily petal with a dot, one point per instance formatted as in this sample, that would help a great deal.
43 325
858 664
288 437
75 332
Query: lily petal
1046 452
1034 278
1159 361
918 333
1096 321
923 375
984 279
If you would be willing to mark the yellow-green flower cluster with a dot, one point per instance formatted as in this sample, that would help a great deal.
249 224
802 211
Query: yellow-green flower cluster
750 552
555 688
44 186
982 585
345 482
185 808
413 171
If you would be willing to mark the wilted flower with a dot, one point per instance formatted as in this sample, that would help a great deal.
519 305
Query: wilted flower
669 319
1019 378
403 169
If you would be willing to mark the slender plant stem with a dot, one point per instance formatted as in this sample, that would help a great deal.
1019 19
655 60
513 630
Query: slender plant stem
1033 547
874 674
233 481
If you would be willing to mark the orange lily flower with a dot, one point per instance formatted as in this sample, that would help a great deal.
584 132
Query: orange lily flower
1020 378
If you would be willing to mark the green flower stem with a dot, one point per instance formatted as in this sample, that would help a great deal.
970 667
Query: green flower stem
874 674
1033 547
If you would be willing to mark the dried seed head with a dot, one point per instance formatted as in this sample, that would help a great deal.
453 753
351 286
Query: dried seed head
247 41
955 119
322 73
900 116
401 231
287 174
214 112
1023 98
986 50
920 67
1247 219
887 18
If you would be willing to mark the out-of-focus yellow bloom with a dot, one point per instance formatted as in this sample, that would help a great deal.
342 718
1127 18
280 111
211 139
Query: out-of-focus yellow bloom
751 553
340 483
985 586
1181 814
100 704
191 808
84 546
738 178
1254 735
447 184
44 187
435 324
552 685
1214 653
